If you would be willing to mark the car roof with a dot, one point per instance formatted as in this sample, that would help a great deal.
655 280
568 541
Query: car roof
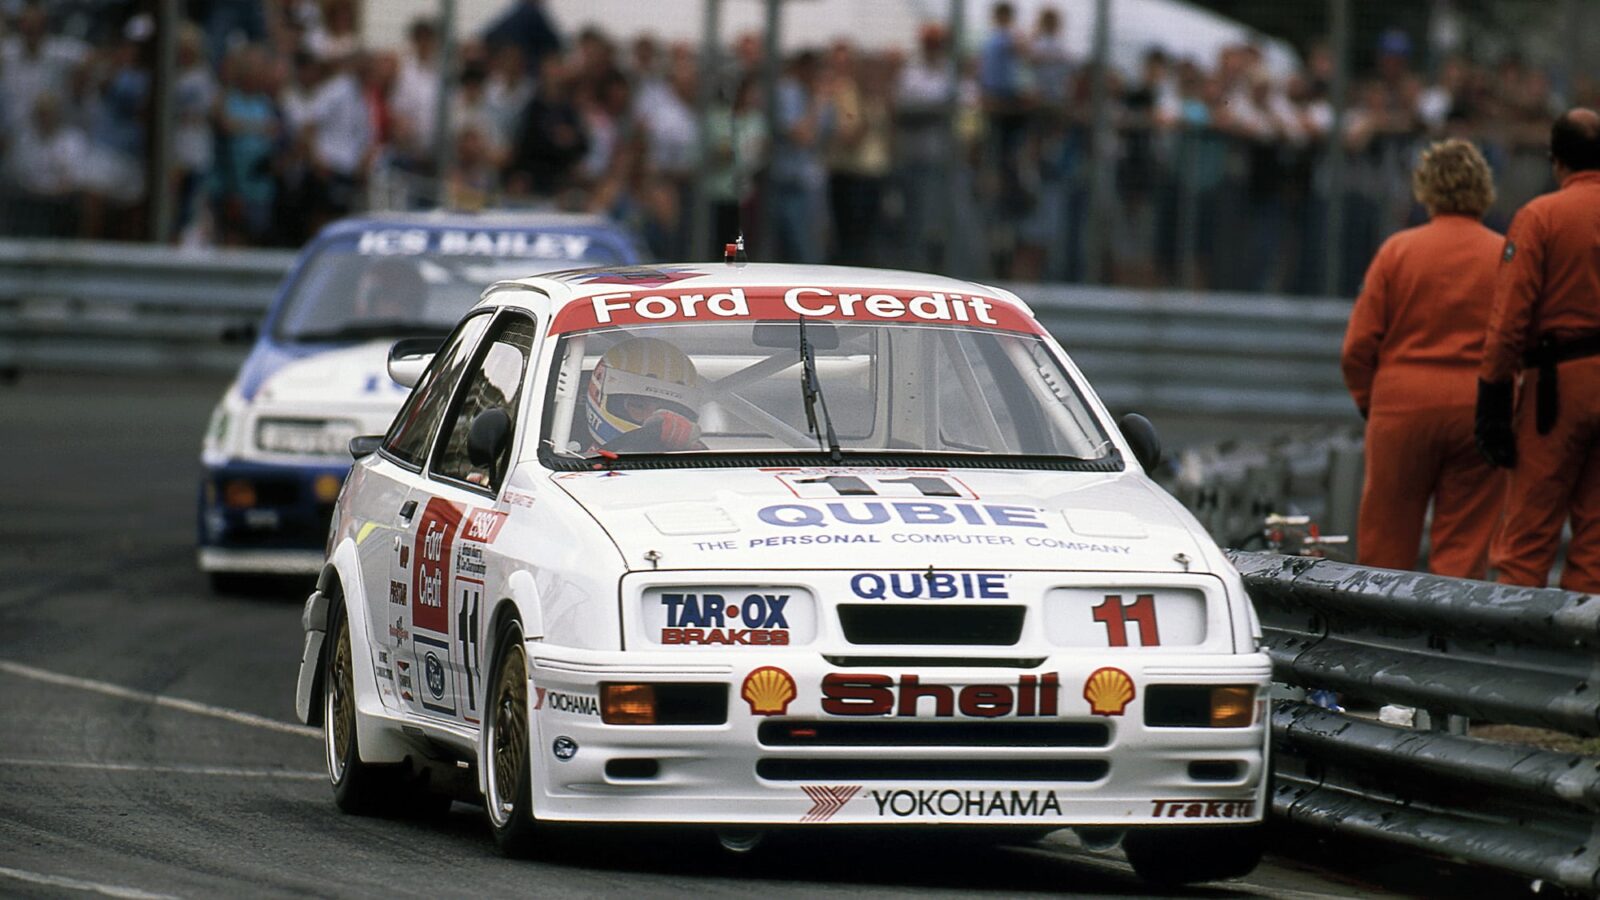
440 218
570 285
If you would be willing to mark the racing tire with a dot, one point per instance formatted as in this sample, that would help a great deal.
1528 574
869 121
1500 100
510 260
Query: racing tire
359 788
508 761
1169 857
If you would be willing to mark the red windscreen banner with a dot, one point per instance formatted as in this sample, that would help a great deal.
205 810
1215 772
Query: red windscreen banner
662 307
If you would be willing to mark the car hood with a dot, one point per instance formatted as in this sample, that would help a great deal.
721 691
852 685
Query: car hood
349 380
889 518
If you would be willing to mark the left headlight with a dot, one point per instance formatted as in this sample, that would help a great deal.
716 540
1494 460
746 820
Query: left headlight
305 437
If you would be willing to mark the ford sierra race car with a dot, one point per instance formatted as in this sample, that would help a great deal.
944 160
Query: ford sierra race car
762 547
275 452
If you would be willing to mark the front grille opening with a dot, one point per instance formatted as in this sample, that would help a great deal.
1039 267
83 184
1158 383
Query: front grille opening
632 769
961 662
945 770
905 623
1215 770
877 733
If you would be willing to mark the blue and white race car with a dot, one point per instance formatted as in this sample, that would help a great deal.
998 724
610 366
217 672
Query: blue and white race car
275 452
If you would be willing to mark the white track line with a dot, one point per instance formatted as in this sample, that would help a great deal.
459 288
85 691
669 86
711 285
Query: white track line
162 700
229 771
73 884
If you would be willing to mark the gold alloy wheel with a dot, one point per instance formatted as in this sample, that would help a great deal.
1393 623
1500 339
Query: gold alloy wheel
339 715
508 733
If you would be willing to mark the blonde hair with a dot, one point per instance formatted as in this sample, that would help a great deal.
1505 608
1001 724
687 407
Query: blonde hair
1453 177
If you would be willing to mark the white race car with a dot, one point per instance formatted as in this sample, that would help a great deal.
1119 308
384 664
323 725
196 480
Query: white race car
762 546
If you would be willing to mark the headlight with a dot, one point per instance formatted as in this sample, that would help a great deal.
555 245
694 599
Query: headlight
305 437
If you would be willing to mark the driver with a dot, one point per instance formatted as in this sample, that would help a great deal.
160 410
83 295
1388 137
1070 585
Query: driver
390 290
644 397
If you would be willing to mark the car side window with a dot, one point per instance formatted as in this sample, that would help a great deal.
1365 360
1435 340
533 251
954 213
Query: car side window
407 440
494 383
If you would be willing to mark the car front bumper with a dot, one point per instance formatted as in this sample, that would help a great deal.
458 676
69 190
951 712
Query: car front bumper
261 517
1101 770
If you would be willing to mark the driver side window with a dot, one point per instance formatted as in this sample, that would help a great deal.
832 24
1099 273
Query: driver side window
495 383
407 440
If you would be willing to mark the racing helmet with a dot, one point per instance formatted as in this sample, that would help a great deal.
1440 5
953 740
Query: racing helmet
647 369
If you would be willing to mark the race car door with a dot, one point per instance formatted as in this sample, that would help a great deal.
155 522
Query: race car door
458 520
383 511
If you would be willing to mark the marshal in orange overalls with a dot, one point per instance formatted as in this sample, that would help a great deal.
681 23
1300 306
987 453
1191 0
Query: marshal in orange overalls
1410 359
1547 297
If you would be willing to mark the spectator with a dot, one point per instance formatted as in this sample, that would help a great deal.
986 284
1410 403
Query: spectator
46 156
334 37
550 140
34 62
1052 63
806 120
922 102
414 101
736 138
858 158
249 128
1546 325
471 110
473 183
195 98
508 87
525 26
336 137
1410 356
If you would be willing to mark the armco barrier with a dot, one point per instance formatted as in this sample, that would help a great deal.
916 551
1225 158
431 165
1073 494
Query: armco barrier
1521 656
74 305
101 307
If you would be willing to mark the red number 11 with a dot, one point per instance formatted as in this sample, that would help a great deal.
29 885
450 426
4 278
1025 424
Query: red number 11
1114 616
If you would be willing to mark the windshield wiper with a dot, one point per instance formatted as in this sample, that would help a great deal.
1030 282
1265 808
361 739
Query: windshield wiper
376 328
811 393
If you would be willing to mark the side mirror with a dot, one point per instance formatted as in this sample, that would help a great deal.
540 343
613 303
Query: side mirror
408 357
365 445
1142 437
488 437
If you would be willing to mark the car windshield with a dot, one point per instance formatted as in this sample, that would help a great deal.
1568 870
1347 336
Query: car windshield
349 291
886 389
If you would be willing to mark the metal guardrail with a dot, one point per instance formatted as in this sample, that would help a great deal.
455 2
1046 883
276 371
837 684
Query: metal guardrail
1507 655
73 305
102 307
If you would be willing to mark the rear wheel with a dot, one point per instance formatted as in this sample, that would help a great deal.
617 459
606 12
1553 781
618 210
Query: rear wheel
1174 856
358 788
508 763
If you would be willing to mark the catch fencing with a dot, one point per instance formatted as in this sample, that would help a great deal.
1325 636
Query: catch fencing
1460 650
102 307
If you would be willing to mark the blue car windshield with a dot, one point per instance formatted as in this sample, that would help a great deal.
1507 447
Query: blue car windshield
348 291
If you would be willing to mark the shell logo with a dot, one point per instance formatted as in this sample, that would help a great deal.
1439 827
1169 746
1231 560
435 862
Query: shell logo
1109 691
768 690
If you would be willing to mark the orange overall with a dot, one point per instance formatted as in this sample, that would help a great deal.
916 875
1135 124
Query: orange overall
1410 359
1548 291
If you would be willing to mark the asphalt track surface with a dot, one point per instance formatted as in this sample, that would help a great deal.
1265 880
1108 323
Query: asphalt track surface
148 749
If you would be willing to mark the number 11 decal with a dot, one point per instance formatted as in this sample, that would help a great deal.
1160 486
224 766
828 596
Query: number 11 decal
1115 616
467 636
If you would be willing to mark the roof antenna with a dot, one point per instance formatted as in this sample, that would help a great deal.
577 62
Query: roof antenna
734 252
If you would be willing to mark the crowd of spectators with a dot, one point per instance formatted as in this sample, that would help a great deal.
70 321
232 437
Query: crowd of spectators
1216 174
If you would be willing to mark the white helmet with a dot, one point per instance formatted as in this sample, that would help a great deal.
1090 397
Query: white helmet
639 368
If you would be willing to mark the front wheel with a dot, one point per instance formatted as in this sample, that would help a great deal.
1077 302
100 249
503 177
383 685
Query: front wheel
508 763
1174 856
358 788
